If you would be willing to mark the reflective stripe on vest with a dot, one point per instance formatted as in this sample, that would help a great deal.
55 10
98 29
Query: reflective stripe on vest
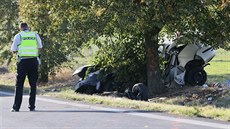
28 46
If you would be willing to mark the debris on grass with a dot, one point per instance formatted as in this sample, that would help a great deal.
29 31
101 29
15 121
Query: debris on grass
208 94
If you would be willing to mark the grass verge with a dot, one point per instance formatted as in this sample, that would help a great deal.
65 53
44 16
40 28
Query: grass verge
194 111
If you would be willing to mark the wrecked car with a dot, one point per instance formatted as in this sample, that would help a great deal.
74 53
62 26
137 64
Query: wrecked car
185 63
96 82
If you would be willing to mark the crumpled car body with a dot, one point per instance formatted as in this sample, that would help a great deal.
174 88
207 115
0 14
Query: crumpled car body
94 82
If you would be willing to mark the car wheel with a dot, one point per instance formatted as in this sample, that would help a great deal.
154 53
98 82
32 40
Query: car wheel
196 76
129 94
140 91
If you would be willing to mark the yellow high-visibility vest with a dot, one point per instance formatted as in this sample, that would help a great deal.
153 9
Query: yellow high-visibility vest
28 46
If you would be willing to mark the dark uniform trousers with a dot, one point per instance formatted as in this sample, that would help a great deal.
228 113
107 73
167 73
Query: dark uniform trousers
29 68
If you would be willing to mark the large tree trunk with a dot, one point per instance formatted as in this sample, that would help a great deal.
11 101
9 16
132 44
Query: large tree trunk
155 84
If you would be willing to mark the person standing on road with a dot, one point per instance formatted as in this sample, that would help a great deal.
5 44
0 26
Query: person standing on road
26 44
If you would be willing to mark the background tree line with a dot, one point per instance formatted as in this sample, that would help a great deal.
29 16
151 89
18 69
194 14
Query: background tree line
127 33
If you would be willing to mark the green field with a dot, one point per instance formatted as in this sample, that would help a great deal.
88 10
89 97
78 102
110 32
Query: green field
219 68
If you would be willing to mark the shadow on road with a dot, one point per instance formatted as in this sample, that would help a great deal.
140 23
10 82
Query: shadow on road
94 111
6 94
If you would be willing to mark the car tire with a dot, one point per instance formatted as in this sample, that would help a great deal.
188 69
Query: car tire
140 92
196 76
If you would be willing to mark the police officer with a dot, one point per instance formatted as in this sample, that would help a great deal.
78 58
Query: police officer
26 44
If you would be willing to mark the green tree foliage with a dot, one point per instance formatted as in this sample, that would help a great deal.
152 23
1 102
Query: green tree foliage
8 27
126 32
57 24
125 57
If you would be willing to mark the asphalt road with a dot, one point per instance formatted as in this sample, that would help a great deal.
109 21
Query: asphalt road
52 113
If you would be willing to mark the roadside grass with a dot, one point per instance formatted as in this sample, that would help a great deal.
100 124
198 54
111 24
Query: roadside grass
8 88
193 111
11 88
7 83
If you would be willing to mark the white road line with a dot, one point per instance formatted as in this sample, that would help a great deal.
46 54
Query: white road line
146 115
187 121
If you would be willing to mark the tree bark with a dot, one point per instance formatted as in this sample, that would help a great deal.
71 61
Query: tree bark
154 79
